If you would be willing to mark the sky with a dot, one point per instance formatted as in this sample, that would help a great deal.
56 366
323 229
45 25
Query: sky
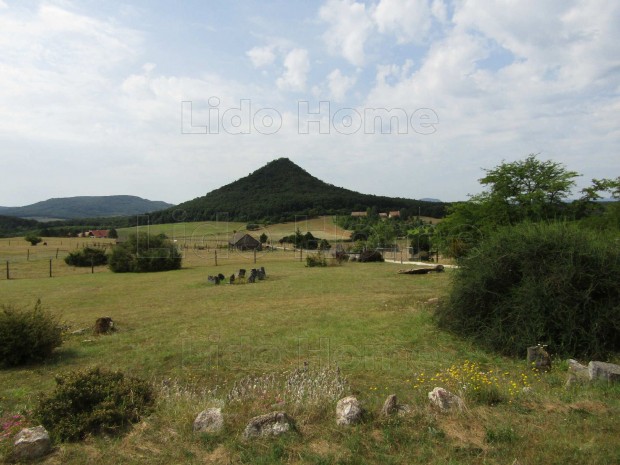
168 100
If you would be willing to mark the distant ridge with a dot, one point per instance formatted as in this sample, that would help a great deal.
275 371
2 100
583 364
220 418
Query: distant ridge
280 191
86 207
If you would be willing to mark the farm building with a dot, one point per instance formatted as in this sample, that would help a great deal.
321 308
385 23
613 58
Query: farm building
96 233
243 241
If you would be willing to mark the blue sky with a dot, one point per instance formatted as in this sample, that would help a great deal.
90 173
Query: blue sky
91 93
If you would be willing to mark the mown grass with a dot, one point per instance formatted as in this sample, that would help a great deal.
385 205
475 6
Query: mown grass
195 340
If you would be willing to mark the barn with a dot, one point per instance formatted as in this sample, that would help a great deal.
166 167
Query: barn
243 241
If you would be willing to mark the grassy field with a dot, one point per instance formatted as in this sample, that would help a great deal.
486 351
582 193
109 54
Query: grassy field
197 343
217 233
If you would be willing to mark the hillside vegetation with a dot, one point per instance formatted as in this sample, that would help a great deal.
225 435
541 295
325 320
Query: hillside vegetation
86 207
278 192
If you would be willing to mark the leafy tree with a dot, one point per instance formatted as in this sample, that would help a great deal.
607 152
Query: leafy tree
382 235
143 252
263 238
529 189
33 239
113 234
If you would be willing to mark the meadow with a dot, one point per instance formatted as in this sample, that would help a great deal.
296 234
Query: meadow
356 328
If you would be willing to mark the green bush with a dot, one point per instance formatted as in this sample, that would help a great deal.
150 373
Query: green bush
27 335
33 239
94 402
544 283
88 256
313 260
143 252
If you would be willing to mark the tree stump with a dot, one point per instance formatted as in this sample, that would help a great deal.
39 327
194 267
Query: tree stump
104 325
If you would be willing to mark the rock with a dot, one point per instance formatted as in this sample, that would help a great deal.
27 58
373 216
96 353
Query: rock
271 424
390 406
104 325
578 370
445 400
221 277
31 443
261 274
241 273
604 371
231 280
433 301
252 279
79 332
209 421
348 411
538 358
214 279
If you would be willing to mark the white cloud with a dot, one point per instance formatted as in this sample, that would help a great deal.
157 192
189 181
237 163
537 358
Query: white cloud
339 84
439 10
261 56
3 5
408 20
350 26
297 65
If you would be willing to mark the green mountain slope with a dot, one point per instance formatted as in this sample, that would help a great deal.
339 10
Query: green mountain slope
86 207
280 190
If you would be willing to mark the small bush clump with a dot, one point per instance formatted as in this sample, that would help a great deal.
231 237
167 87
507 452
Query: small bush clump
313 260
143 253
370 256
27 335
553 284
94 401
88 256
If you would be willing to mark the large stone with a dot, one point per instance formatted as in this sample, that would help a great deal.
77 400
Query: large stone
31 443
348 411
604 371
390 406
579 371
445 400
271 424
538 358
209 421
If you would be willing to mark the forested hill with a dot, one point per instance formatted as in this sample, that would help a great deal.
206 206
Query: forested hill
86 207
280 190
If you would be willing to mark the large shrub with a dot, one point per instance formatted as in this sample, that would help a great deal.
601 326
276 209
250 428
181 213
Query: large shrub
553 284
27 335
144 252
88 256
94 401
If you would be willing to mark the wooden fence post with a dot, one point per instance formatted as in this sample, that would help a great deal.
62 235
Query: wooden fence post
7 270
28 256
215 256
50 267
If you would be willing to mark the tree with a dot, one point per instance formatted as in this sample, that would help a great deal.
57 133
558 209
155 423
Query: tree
529 189
263 238
381 235
33 239
595 213
113 234
143 252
